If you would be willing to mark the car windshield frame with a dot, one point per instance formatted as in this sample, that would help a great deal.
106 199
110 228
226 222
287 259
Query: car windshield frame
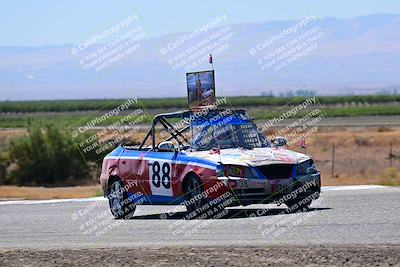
208 132
188 119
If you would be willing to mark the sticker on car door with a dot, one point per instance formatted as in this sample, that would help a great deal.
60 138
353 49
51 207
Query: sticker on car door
160 178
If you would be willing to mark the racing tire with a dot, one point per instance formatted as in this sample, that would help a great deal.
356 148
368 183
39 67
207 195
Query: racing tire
194 200
296 205
118 201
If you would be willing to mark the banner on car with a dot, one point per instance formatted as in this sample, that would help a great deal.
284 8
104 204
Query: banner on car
201 88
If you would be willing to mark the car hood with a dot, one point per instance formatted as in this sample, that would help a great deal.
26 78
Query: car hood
251 157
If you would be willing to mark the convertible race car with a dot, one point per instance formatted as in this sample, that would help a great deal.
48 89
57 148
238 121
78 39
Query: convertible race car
217 154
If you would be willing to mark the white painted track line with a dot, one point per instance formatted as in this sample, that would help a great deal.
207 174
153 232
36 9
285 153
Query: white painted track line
352 187
51 201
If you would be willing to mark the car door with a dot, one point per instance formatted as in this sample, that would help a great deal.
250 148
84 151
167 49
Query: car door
161 175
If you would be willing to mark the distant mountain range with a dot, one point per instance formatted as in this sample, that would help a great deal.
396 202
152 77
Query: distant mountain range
359 55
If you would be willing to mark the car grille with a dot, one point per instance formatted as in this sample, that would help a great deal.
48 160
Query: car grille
276 171
249 191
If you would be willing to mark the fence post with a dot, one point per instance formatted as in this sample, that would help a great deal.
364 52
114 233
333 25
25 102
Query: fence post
390 154
333 160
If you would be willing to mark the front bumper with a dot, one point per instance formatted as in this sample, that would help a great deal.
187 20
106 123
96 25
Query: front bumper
253 191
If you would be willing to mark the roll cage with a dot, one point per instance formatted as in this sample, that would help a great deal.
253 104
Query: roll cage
177 134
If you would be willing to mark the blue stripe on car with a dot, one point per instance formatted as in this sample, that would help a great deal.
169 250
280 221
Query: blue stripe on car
155 199
181 158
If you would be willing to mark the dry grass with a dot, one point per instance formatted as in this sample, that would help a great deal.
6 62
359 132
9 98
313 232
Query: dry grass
49 193
361 157
8 134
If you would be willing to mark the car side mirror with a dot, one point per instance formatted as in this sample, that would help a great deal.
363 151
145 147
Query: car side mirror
280 141
166 146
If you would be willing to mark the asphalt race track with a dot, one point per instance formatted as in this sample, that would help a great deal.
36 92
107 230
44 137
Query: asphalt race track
356 220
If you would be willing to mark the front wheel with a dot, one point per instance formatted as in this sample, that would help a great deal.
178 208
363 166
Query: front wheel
118 200
297 205
301 204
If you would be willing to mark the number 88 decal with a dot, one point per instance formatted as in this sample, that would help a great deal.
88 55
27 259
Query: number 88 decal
160 178
165 179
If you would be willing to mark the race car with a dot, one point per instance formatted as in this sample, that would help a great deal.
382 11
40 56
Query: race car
217 154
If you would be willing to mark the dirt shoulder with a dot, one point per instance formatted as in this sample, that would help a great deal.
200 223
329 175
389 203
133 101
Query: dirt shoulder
343 255
30 193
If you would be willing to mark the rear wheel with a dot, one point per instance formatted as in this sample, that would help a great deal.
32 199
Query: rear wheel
120 206
194 198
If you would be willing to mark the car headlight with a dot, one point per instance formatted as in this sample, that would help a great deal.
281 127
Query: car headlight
306 167
235 171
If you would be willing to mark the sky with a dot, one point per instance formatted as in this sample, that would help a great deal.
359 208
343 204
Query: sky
49 22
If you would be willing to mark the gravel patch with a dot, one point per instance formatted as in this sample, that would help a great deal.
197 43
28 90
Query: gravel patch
376 255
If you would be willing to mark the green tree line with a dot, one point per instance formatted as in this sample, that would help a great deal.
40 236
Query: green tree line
243 101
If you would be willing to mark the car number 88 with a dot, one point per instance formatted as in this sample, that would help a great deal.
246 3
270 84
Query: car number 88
161 174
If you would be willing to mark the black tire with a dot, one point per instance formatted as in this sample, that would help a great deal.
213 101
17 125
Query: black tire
118 201
301 204
297 205
193 190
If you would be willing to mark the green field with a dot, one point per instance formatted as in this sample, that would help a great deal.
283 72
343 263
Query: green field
338 112
19 121
179 103
64 121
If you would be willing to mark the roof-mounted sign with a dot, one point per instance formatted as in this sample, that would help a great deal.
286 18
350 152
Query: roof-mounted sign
201 88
